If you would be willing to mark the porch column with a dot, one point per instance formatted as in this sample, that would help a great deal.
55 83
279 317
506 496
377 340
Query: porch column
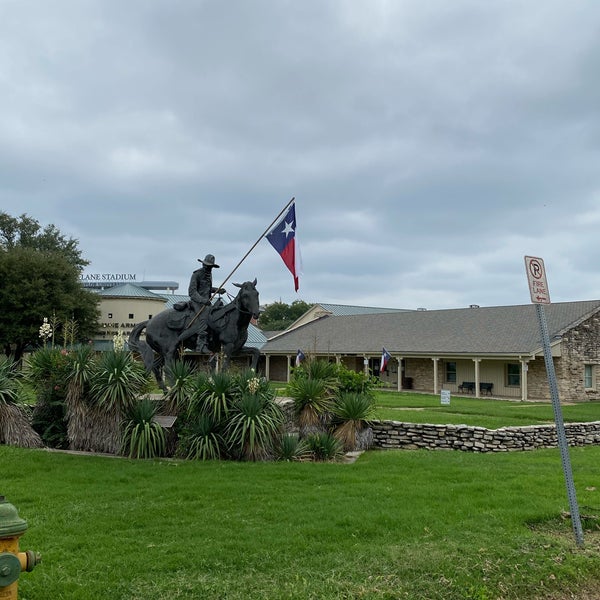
435 374
289 368
477 361
366 366
338 359
400 359
267 367
524 386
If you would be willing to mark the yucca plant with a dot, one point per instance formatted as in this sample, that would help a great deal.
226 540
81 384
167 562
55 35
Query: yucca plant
213 394
47 369
142 436
15 428
324 446
312 403
289 447
253 423
117 381
180 376
202 439
351 414
79 413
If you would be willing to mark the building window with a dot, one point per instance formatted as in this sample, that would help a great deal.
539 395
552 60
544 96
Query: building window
588 377
450 372
513 374
131 315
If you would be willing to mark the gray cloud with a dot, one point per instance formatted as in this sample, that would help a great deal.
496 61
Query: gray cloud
430 147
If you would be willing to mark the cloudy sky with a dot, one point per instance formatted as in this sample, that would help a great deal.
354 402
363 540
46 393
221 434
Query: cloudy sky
430 146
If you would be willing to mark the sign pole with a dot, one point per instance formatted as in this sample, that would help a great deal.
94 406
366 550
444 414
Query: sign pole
539 296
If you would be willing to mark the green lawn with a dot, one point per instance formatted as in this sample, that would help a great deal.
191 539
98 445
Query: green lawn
419 525
489 413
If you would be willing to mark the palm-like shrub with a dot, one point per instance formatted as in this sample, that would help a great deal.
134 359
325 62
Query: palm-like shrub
180 376
351 413
213 394
202 439
254 421
142 436
79 413
324 446
48 370
312 402
289 447
117 381
15 428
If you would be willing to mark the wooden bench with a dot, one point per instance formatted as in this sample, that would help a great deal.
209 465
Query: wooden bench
486 388
467 386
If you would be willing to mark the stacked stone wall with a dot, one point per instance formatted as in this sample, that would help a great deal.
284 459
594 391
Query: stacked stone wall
399 435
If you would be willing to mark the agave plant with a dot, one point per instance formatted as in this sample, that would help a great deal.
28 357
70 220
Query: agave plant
253 423
352 412
202 439
15 428
143 437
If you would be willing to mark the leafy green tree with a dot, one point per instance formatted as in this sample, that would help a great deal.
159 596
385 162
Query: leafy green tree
279 315
40 277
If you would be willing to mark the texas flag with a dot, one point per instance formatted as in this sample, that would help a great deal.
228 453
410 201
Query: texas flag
385 358
283 238
299 357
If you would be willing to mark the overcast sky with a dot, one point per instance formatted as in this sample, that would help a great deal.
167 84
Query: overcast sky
430 146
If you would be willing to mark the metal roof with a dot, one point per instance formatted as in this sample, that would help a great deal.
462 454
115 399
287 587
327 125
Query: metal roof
339 310
497 330
129 290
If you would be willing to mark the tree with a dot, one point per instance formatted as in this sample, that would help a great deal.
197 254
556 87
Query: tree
279 315
40 277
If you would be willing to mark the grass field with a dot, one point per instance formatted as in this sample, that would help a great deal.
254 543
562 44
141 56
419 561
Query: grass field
489 413
398 524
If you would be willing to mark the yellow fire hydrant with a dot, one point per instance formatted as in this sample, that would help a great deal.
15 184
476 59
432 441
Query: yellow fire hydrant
12 562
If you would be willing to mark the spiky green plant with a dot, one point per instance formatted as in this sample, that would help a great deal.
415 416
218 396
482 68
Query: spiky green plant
289 447
15 427
351 414
253 423
142 436
47 369
79 413
324 446
312 402
213 394
117 381
202 439
180 375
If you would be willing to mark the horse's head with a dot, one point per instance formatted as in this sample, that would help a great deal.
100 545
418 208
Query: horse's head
247 298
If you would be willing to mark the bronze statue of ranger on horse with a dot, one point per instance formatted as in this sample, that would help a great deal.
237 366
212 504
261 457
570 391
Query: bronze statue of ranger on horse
199 324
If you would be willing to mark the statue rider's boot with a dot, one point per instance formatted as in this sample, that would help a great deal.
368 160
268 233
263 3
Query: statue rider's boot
201 345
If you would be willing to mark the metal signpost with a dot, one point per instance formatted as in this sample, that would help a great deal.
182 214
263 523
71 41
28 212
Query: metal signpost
538 288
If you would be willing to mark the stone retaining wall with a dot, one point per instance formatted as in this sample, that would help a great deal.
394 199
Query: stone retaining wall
399 435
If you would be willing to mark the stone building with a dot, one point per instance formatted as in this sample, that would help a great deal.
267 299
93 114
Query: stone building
492 351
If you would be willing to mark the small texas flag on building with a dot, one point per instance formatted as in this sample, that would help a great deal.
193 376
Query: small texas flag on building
385 359
283 238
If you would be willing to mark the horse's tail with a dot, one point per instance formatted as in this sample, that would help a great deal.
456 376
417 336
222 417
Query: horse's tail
141 346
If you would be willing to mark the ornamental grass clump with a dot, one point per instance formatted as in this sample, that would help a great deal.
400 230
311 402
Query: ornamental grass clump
324 446
180 376
202 439
289 447
142 436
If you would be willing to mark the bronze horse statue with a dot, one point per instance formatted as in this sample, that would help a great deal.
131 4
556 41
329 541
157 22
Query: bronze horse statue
227 331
